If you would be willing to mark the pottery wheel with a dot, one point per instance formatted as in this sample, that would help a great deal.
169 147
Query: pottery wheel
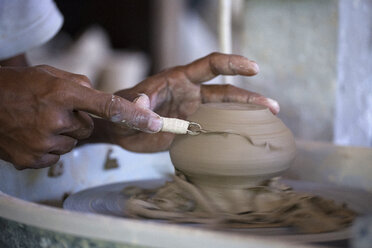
109 200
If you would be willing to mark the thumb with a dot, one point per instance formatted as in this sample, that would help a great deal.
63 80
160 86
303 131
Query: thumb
115 109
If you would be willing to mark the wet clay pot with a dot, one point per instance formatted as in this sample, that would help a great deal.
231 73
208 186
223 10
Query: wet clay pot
245 145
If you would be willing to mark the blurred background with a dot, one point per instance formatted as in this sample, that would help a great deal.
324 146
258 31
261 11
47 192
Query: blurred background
315 56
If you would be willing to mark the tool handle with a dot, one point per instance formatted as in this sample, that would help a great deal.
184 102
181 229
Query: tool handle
174 125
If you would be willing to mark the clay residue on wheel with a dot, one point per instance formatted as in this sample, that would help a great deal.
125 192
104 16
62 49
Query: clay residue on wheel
225 176
275 205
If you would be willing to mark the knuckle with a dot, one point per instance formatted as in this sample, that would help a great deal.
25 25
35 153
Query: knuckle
83 80
164 71
49 125
43 67
46 161
176 74
46 69
113 108
214 57
25 161
57 88
43 146
61 123
214 54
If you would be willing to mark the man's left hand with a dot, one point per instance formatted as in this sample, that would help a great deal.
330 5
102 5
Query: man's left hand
178 92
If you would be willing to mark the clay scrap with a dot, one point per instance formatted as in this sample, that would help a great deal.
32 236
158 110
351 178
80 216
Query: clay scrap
275 205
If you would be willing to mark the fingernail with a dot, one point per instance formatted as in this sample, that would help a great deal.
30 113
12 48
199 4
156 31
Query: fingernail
142 101
155 124
138 97
274 104
255 66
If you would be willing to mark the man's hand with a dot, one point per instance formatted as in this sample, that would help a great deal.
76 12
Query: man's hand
178 92
44 114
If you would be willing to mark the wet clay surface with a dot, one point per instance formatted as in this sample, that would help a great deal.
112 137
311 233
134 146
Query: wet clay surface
240 146
274 205
112 200
224 176
237 139
225 180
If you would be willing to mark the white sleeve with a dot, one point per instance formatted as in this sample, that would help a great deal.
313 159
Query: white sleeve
25 24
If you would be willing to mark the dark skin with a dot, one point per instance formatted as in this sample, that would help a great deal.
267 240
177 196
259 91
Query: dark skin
178 92
44 114
45 110
19 60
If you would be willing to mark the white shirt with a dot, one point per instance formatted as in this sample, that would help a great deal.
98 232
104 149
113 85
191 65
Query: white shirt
25 24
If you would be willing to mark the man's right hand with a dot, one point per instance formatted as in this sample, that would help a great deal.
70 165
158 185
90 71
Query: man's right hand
44 114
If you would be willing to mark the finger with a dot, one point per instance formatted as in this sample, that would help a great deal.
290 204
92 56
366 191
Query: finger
142 101
76 78
149 143
216 64
230 93
114 108
46 161
268 102
81 126
62 144
25 158
128 94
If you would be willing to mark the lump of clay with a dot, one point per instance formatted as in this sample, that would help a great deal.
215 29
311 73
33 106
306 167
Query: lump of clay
244 145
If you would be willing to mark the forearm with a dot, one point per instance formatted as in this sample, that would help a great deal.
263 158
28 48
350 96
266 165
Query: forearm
19 60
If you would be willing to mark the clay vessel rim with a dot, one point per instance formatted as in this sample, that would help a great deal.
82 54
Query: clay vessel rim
226 106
